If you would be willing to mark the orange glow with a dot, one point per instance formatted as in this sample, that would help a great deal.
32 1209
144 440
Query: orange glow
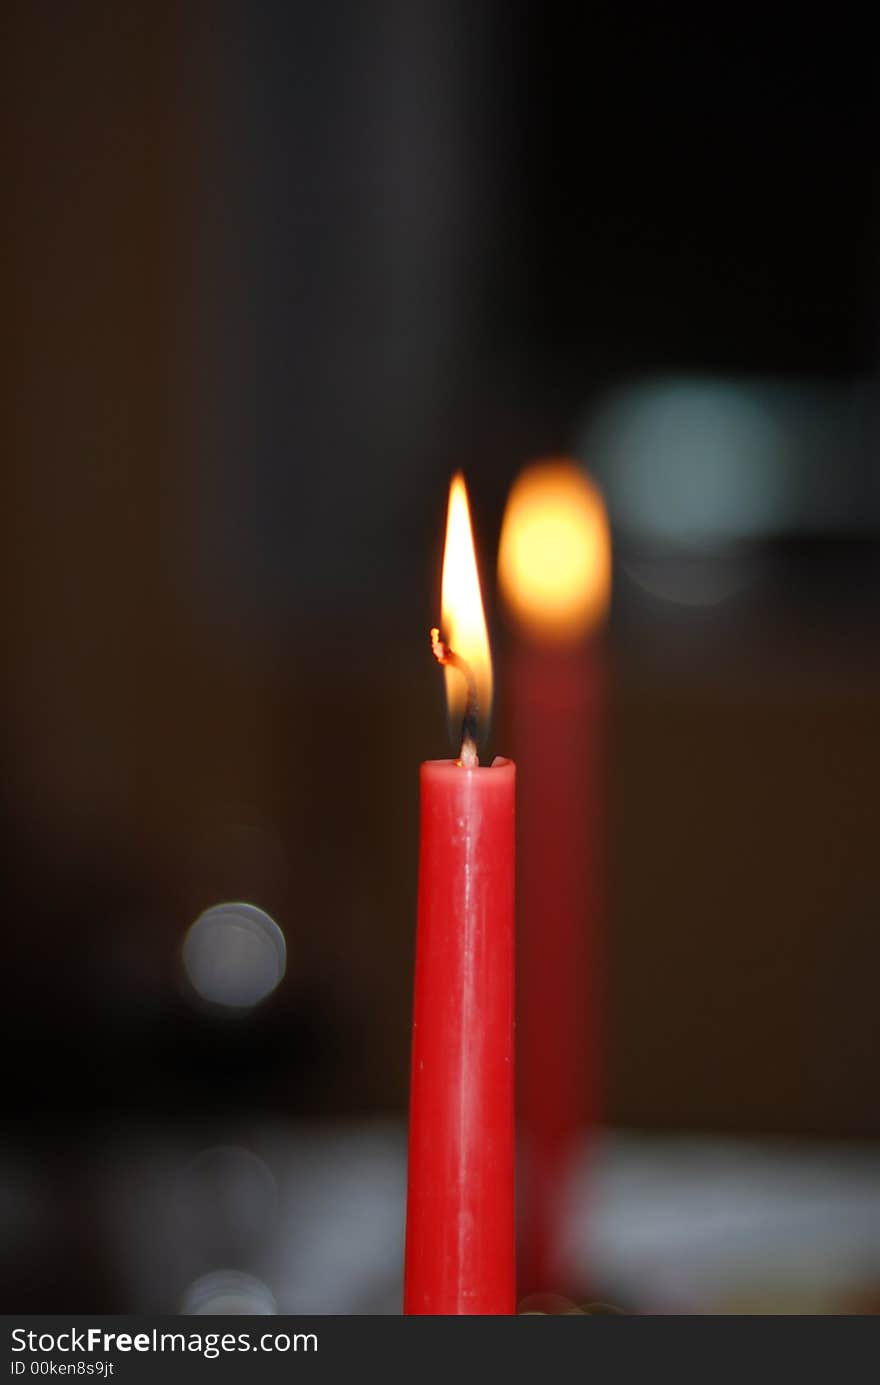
554 561
461 604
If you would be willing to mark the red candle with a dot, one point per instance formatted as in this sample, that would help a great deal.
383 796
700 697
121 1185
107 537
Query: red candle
460 1256
554 570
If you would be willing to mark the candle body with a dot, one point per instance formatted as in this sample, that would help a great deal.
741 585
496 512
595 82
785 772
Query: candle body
558 697
460 1253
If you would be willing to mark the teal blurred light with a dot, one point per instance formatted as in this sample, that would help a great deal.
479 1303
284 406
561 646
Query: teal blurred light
693 461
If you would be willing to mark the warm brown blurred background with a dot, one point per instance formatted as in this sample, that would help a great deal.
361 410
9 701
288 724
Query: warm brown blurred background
272 273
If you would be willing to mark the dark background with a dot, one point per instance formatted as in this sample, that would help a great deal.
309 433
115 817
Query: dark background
272 272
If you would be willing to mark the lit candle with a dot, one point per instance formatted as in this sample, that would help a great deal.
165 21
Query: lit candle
554 569
460 1256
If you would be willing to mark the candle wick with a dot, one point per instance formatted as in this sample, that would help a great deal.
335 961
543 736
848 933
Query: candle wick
467 756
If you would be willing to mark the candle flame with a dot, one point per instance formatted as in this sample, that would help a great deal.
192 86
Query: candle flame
554 560
461 604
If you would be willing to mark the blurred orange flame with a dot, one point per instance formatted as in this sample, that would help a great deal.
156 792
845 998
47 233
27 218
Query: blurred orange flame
554 560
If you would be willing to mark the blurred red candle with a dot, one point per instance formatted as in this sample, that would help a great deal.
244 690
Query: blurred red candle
460 1255
555 573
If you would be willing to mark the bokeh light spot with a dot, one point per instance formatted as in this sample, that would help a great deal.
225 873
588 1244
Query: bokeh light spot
228 1292
234 955
692 460
554 559
228 1194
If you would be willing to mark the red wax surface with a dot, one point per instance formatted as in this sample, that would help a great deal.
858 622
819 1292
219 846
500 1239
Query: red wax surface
557 699
460 1253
